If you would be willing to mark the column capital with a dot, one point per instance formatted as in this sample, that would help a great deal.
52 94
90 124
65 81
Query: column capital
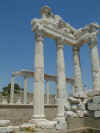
59 42
39 35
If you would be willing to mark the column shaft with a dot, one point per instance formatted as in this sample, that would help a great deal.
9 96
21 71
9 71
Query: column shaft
61 80
12 91
47 92
38 77
25 90
77 72
95 67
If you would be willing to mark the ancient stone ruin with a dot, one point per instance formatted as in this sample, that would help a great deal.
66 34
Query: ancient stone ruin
81 104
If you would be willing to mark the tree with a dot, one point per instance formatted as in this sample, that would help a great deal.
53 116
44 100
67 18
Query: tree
6 90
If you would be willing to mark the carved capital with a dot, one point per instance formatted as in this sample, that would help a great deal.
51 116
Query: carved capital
59 43
39 35
93 27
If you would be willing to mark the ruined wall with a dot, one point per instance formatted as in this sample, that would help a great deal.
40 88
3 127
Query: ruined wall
18 114
83 122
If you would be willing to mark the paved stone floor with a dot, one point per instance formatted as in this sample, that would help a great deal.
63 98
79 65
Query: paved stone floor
81 130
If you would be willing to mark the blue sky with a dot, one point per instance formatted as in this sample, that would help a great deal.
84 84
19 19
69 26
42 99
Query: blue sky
17 39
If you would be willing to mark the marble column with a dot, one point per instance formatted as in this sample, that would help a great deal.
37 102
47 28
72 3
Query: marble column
38 98
61 79
77 73
95 67
12 90
25 90
47 91
73 89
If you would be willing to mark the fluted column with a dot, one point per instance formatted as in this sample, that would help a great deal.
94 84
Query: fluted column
95 67
47 92
12 90
38 99
25 90
77 73
61 80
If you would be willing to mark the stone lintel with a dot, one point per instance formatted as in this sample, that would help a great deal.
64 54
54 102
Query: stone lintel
30 74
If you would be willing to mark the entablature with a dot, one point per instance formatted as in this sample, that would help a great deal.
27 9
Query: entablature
53 26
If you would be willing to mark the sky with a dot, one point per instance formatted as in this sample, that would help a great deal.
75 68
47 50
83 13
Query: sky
17 38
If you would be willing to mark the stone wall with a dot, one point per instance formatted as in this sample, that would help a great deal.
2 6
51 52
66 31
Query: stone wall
76 123
18 114
23 113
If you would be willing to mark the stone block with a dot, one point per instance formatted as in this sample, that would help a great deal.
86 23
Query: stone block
93 93
97 114
4 123
92 106
6 130
96 99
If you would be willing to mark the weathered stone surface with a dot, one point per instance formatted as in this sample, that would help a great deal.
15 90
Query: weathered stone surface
61 78
4 123
27 125
6 130
25 90
38 76
95 67
4 100
74 100
70 114
93 107
44 124
12 90
18 101
96 99
93 93
77 71
61 124
97 114
19 114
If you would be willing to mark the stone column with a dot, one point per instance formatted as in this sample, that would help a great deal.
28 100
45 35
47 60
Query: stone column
61 79
47 92
56 89
12 90
95 67
77 73
25 90
73 89
38 98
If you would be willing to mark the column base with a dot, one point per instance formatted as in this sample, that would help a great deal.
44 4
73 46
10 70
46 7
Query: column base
61 123
43 123
38 117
